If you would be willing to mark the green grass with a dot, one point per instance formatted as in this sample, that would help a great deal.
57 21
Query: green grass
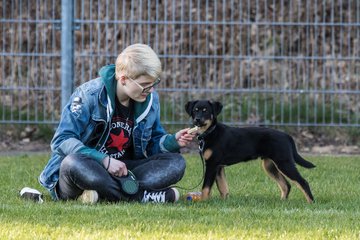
253 211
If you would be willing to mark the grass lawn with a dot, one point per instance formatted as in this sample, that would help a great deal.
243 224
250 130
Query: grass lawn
253 211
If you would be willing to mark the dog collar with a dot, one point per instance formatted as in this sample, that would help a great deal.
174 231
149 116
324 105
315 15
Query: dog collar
206 133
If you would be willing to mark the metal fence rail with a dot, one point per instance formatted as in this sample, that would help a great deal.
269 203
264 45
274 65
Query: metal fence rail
283 63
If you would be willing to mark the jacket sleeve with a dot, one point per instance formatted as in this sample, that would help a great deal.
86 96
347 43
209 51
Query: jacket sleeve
75 118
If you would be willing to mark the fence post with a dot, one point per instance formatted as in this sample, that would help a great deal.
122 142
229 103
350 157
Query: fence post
67 50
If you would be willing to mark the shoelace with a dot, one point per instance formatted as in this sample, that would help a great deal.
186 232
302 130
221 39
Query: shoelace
154 196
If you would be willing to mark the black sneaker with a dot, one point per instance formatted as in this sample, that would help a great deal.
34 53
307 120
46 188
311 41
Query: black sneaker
31 194
170 195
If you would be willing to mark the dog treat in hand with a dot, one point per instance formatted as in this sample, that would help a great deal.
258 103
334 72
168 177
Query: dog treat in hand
192 130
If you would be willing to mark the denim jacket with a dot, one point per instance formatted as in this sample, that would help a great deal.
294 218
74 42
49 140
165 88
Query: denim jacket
85 123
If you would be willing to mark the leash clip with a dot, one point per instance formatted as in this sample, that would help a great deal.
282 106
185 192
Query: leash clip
201 145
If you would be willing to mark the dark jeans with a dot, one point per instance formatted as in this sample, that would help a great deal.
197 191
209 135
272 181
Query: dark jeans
79 173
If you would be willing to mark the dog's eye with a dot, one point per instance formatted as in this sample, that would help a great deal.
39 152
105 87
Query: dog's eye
204 109
196 109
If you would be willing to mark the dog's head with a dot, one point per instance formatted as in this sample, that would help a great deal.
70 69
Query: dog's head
203 113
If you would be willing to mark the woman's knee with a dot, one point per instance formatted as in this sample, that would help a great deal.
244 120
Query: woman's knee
176 160
84 172
181 162
74 163
71 161
178 164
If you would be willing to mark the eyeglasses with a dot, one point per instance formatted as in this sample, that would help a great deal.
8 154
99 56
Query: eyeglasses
147 88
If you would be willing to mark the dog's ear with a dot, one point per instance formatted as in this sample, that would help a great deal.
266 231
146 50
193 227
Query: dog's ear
217 107
189 106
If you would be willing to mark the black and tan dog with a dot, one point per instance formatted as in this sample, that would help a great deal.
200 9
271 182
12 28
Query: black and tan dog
222 146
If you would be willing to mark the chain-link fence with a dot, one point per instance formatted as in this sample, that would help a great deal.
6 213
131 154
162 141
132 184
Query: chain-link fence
284 63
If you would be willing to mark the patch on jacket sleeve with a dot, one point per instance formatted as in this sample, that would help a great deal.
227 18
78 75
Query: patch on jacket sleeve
76 106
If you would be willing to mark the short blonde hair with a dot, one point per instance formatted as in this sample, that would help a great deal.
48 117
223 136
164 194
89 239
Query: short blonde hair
136 60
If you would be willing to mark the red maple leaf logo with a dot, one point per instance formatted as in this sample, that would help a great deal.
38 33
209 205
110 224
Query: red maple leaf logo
118 141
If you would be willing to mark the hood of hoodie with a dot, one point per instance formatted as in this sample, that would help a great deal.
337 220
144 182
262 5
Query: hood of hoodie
107 74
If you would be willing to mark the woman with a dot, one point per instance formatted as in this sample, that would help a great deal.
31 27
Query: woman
110 131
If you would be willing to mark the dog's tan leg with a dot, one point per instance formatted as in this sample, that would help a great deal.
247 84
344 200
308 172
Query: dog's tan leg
304 187
308 198
221 183
205 193
290 171
271 169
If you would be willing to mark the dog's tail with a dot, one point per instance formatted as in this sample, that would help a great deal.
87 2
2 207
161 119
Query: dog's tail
302 162
298 159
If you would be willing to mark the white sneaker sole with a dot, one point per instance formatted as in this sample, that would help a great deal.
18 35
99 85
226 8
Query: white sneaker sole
89 197
177 194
